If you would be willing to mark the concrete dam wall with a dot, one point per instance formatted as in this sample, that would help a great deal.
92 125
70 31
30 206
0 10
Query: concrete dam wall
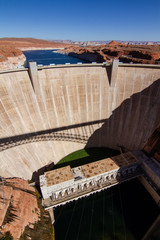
49 112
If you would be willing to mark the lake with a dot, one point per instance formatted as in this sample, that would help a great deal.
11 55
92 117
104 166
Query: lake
46 57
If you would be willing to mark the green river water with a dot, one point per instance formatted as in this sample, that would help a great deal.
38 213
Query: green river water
123 212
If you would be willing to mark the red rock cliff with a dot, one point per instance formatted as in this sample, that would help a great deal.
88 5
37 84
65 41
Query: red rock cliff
11 57
20 208
114 50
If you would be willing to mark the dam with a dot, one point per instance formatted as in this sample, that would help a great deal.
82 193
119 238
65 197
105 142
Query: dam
48 112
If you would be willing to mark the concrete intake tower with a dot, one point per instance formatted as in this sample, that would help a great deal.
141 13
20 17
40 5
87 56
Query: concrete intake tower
48 112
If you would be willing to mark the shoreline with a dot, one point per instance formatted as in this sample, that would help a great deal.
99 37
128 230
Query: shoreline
13 62
18 61
36 48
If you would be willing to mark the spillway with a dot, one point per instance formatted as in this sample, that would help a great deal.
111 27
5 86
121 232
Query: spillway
48 112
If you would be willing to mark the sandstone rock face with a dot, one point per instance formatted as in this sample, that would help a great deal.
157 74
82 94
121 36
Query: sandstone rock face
13 62
11 57
8 51
20 209
114 50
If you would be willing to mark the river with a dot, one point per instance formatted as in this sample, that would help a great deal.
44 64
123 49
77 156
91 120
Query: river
123 212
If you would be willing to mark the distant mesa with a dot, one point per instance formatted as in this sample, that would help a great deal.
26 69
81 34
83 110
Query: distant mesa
26 43
113 42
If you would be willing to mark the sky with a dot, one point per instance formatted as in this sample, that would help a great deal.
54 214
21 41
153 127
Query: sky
81 20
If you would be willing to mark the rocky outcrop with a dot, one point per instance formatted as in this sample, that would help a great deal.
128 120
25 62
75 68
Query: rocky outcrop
114 50
13 62
8 51
20 208
11 57
87 56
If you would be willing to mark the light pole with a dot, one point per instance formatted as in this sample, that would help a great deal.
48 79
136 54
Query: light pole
3 190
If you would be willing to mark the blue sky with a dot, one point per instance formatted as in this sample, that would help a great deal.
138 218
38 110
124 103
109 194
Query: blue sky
81 20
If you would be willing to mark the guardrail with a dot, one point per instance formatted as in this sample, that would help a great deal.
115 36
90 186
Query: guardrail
69 65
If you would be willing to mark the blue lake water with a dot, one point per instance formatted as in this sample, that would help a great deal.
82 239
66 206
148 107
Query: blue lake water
46 57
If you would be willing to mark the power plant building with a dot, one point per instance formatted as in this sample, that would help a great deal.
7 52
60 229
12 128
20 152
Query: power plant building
62 184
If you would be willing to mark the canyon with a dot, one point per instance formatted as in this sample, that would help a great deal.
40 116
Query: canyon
48 112
145 54
11 55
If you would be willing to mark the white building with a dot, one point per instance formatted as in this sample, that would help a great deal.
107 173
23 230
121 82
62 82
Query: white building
68 183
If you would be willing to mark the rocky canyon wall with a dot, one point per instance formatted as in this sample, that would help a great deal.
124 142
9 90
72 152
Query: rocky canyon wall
10 57
72 107
13 62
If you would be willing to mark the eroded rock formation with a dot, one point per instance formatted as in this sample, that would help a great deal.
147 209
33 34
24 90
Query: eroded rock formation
114 50
11 57
20 208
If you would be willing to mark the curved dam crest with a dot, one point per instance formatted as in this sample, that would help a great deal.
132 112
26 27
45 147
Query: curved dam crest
71 107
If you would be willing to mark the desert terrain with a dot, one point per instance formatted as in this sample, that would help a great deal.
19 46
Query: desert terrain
11 55
145 54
